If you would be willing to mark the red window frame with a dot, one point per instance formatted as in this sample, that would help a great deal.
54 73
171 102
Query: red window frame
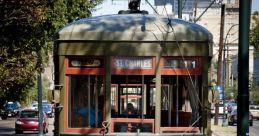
80 71
84 70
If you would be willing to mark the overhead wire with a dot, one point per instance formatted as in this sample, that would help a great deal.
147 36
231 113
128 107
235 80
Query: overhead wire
181 54
195 20
178 45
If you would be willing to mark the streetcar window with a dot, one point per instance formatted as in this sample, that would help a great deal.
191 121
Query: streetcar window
85 101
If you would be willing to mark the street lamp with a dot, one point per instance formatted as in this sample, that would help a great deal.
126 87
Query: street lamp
224 75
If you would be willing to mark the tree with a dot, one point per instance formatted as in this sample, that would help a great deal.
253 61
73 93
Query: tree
254 40
26 31
61 12
254 33
254 95
230 93
21 37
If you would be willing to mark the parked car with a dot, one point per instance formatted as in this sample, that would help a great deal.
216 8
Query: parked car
45 102
232 118
11 109
213 108
28 121
1 113
255 111
47 108
34 106
229 106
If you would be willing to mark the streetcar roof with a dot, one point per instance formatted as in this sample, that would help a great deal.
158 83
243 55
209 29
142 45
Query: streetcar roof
133 27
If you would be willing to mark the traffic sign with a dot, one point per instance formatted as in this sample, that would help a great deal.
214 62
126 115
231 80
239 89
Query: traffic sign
219 88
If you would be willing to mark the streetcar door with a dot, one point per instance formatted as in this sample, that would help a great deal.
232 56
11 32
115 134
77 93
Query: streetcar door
130 98
127 101
130 101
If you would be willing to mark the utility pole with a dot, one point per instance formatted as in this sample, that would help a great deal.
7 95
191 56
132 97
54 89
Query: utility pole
243 68
39 85
219 69
40 110
180 9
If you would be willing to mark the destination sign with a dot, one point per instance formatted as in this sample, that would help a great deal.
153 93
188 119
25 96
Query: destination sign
86 62
178 63
133 63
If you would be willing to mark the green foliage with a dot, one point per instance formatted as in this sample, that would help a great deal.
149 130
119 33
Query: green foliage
254 33
61 12
26 31
32 94
230 93
255 95
21 39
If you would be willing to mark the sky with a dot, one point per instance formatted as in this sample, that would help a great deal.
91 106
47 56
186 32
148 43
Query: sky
255 5
109 7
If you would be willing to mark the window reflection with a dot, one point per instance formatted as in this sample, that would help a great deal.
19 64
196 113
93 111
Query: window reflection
85 101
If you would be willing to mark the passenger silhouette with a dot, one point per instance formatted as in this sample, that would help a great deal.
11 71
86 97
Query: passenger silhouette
130 109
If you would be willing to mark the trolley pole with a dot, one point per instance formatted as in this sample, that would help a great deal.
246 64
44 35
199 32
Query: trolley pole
243 68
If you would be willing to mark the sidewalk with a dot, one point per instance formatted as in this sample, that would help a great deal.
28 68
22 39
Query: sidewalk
219 130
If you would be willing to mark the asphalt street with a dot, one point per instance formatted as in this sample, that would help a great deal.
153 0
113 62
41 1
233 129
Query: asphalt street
7 128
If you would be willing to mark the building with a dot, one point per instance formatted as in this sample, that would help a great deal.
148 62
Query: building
170 8
211 20
234 65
